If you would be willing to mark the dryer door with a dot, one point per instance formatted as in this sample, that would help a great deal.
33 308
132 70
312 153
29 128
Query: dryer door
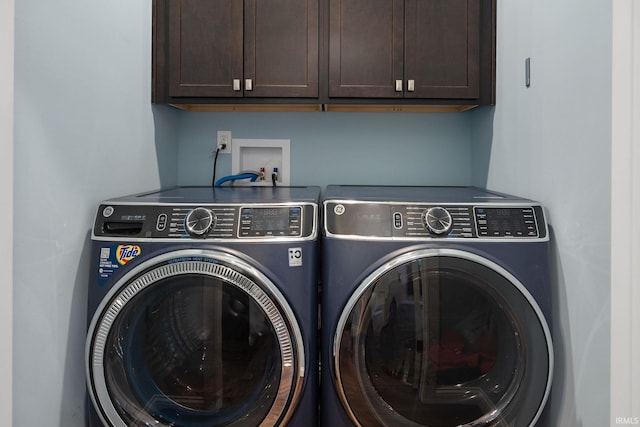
442 338
194 338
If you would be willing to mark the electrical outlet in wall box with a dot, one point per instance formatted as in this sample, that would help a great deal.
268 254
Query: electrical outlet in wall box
223 141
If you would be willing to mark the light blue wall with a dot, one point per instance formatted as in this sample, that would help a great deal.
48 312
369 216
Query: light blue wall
84 131
339 148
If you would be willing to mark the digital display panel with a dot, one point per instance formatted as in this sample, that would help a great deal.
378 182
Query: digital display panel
270 221
506 222
275 219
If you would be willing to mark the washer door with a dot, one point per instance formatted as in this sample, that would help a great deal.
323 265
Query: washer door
194 338
442 338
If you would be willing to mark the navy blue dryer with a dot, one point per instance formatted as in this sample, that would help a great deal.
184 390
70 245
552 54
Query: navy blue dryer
203 308
435 308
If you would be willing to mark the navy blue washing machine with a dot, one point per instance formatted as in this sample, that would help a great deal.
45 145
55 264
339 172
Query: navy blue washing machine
435 308
203 308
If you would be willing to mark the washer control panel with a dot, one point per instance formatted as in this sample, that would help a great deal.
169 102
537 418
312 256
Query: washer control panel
242 222
415 220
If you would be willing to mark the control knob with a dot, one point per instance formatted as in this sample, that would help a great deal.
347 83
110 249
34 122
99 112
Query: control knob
438 220
199 222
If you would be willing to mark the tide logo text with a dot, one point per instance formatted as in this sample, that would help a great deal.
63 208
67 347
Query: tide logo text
126 253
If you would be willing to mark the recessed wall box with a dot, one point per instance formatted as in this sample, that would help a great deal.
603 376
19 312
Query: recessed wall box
250 155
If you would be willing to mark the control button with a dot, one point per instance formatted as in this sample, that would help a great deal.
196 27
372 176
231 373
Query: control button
438 220
397 220
108 211
161 222
199 222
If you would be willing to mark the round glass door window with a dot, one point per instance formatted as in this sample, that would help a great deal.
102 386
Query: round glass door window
195 342
442 338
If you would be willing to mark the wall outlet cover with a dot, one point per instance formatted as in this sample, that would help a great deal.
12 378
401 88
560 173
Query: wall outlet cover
223 139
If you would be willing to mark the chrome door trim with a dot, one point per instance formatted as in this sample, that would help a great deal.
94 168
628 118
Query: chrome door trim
425 253
234 271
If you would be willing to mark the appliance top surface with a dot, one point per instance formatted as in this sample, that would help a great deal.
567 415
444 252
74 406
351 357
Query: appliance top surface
206 195
435 194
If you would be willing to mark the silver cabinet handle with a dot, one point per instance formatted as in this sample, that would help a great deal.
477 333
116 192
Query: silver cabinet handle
236 85
248 84
398 85
411 85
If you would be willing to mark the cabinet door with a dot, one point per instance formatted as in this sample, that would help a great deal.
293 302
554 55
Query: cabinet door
366 48
281 48
443 48
205 47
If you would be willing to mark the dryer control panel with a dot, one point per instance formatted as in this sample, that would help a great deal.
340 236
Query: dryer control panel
419 221
241 222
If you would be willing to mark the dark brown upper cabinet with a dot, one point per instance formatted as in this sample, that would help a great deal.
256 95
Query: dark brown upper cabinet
439 50
365 55
216 50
